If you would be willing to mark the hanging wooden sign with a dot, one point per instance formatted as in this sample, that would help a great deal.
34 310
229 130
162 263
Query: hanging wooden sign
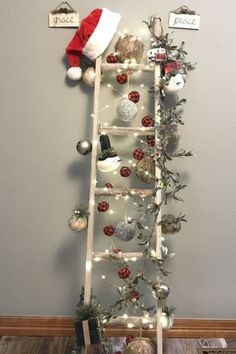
183 17
63 16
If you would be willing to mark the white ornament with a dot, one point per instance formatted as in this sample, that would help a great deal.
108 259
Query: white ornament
127 110
74 73
89 77
176 83
166 321
109 165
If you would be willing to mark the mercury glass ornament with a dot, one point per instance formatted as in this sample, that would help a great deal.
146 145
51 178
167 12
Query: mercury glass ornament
129 48
84 147
125 231
140 346
160 291
127 110
173 133
89 77
170 224
145 169
78 222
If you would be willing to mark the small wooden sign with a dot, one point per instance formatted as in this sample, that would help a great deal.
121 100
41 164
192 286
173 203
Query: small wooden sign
184 21
63 16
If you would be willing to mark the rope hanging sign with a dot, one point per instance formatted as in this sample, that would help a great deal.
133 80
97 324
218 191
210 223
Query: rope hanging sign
183 17
63 16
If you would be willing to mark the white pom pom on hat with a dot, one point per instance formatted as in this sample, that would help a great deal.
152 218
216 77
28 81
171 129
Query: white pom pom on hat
91 38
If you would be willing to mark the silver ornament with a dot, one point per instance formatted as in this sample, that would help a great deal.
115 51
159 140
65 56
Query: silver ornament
166 320
89 77
84 147
125 231
170 224
141 346
127 110
160 291
129 48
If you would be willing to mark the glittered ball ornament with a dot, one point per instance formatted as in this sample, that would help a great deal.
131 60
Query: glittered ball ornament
78 222
160 291
103 206
147 121
151 140
170 224
125 231
127 110
134 295
112 58
141 346
122 78
108 185
145 169
124 273
138 154
89 77
134 96
129 339
125 171
109 230
129 48
84 147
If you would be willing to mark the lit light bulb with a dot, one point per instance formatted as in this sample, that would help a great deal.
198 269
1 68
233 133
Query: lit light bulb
88 266
125 316
103 276
130 325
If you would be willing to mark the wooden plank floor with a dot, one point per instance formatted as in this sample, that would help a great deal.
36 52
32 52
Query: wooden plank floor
64 345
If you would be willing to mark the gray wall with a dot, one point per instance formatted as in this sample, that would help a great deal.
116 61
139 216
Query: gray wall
42 177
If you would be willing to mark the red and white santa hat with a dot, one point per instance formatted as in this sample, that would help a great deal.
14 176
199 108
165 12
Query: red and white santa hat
91 39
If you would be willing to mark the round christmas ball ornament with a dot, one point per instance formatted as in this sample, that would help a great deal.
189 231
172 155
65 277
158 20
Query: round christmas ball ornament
147 121
84 147
116 250
160 291
134 295
145 169
129 48
112 58
103 206
109 230
138 154
79 220
134 96
141 346
89 77
125 230
175 84
119 352
125 171
129 339
108 185
151 140
122 78
124 272
170 224
127 110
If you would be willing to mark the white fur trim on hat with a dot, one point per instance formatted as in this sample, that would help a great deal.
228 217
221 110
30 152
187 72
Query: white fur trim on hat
74 73
102 35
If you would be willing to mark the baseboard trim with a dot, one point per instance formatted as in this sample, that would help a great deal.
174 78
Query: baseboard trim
63 326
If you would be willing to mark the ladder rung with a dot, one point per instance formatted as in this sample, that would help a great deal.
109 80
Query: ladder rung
123 192
126 131
133 320
129 67
102 256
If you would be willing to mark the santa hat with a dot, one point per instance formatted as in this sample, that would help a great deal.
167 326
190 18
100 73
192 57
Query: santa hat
91 39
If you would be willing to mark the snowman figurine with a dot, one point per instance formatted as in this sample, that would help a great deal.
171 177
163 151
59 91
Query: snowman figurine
175 84
108 160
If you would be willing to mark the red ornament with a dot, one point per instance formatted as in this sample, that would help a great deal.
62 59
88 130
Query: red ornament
119 352
138 154
129 339
134 294
171 67
122 78
103 206
116 250
151 140
112 58
108 185
109 230
147 121
125 171
134 96
124 272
